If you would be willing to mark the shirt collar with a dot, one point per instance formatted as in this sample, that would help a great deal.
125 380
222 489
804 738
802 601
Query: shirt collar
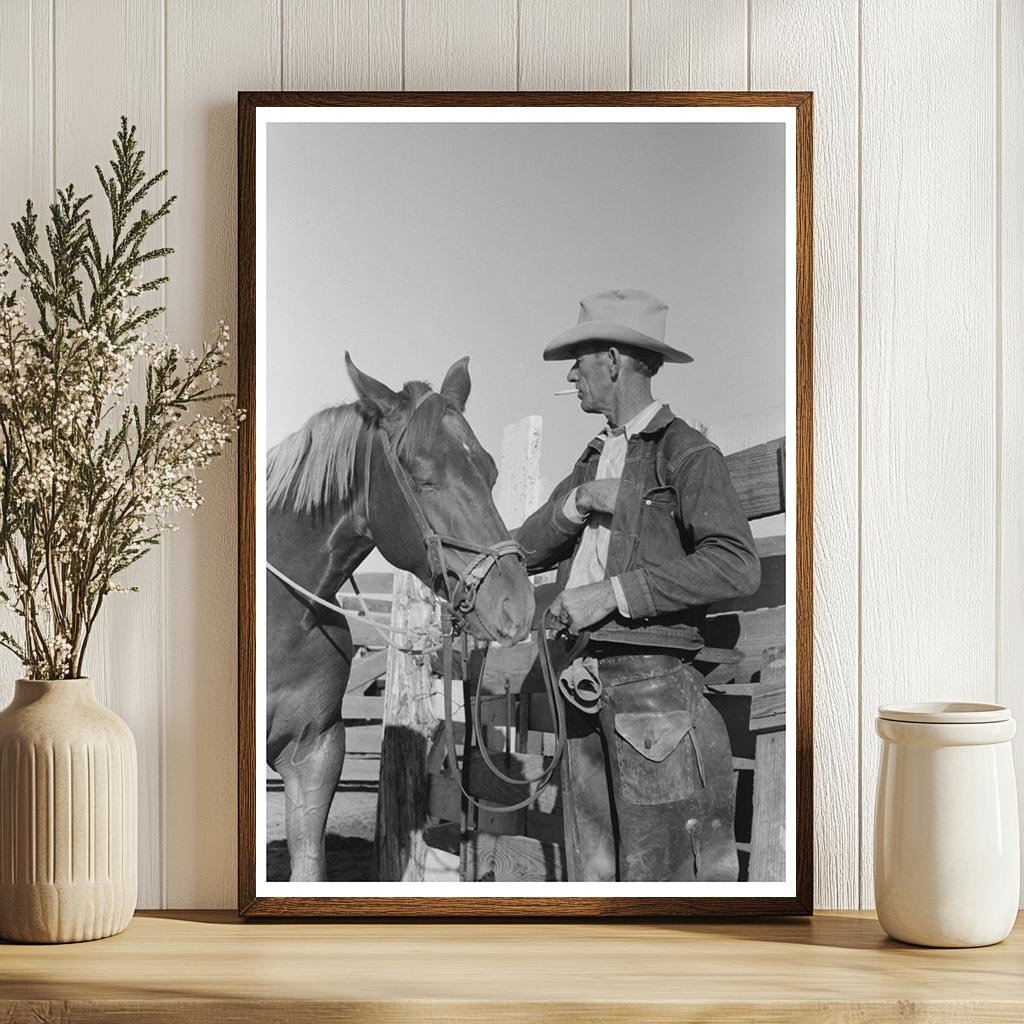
660 417
639 422
659 421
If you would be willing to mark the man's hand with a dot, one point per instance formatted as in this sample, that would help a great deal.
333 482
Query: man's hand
597 496
583 606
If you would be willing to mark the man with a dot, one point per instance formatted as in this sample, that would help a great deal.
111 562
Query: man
646 532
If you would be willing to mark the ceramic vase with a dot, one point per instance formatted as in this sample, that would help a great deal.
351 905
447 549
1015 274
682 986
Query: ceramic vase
947 847
68 815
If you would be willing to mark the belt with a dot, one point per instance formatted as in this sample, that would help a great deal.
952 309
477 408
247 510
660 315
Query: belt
605 651
585 679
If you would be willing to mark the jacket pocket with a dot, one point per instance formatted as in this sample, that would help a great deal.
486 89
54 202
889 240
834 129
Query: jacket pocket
654 526
657 537
661 498
655 765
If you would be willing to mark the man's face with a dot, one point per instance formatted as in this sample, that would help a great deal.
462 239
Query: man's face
591 373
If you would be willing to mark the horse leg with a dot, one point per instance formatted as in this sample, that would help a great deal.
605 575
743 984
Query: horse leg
310 768
308 669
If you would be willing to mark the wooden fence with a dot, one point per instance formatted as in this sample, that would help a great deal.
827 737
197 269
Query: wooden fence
744 667
392 708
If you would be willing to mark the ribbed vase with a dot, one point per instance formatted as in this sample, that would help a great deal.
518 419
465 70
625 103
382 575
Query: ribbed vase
68 815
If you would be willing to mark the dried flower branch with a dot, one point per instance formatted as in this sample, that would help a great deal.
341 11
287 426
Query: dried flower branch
89 478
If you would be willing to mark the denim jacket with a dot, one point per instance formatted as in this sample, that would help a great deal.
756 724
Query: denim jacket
679 537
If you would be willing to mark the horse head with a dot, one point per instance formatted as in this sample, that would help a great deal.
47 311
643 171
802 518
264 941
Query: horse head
430 509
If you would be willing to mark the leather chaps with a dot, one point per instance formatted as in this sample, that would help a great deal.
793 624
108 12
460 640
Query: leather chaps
647 780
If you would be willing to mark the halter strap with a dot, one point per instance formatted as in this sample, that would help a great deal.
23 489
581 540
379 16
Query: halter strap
368 452
463 597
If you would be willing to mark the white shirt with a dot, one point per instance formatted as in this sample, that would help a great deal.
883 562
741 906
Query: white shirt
591 558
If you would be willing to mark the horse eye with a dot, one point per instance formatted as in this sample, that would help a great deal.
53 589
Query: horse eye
424 475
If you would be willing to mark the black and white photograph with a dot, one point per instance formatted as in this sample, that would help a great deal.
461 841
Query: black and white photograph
525 383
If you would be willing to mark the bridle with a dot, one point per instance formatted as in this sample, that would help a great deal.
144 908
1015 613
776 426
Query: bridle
457 603
459 589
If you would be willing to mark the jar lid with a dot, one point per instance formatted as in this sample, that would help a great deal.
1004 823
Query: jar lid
945 712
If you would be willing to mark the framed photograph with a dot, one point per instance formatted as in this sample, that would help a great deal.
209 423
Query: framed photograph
525 504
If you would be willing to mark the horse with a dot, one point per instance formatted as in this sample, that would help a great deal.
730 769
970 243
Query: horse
403 472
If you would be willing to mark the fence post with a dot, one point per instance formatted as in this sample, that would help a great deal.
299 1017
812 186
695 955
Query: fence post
518 496
412 711
768 828
519 479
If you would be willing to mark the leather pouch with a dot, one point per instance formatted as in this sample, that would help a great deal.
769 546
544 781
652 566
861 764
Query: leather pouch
655 766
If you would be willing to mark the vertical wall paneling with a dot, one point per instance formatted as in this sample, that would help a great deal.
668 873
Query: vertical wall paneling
689 44
26 128
213 51
574 44
1010 177
470 44
925 568
26 107
814 46
122 658
342 44
928 520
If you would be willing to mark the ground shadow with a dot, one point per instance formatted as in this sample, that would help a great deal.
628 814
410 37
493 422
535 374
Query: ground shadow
348 859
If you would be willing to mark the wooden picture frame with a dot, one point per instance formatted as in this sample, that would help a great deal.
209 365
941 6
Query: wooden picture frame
794 109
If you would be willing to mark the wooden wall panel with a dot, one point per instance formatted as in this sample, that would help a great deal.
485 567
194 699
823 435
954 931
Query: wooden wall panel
814 46
941 259
26 128
127 665
342 44
213 51
928 366
26 108
1010 176
574 44
468 44
689 44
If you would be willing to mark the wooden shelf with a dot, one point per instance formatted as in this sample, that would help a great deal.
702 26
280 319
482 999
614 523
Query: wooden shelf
208 966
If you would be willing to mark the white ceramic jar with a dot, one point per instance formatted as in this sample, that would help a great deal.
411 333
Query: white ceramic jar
947 847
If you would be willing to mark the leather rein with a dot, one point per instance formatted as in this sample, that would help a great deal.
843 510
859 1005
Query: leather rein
457 603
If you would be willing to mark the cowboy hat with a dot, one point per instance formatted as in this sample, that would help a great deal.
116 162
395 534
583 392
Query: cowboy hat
625 316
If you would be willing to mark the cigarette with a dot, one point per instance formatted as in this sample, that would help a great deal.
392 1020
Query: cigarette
567 391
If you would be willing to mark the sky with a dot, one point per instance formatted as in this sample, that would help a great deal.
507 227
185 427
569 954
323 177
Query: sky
411 245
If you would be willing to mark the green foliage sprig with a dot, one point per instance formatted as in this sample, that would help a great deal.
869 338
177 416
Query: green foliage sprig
90 471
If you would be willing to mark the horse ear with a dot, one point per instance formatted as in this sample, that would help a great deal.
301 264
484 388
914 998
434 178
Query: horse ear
371 391
457 383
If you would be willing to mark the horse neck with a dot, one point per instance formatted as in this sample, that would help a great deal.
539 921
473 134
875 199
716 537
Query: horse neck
318 552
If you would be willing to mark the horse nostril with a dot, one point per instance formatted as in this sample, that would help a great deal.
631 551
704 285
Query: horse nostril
507 621
510 625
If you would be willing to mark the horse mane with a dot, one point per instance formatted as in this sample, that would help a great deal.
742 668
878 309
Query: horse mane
313 469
